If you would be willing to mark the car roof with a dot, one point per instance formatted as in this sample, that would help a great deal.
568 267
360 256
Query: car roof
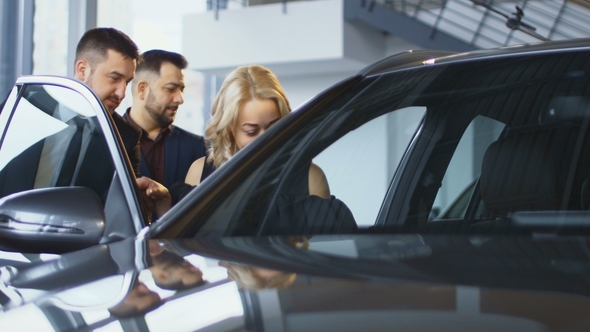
414 58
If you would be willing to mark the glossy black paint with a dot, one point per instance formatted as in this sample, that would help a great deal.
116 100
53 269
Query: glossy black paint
329 277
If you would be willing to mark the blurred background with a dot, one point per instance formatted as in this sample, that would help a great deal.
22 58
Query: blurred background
310 45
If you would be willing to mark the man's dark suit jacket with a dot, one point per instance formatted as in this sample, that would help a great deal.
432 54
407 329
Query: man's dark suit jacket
182 148
131 139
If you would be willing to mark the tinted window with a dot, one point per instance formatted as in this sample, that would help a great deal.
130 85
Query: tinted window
356 140
502 140
460 179
525 164
360 165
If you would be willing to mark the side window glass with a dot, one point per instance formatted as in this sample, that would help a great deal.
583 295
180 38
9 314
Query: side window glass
54 140
360 165
462 174
357 141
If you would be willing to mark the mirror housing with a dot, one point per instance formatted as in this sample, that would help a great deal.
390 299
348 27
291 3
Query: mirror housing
52 220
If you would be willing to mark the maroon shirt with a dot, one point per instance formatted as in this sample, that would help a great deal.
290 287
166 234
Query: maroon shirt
153 151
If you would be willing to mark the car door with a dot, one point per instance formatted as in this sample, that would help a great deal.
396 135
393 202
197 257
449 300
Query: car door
65 181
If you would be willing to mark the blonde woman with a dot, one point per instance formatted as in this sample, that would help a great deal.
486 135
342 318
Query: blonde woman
250 101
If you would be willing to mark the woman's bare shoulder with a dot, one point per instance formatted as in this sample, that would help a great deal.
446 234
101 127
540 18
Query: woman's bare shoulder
318 184
193 177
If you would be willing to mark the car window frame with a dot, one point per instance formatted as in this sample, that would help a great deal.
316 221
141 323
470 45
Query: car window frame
121 163
418 155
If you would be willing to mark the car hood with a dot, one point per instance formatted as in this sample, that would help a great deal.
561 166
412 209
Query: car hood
361 282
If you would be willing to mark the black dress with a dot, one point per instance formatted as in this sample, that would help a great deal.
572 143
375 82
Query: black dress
296 212
293 210
180 189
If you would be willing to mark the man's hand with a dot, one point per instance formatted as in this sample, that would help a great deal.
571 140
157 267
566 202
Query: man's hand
155 195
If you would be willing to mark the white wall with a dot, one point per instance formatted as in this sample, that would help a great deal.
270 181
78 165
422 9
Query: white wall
50 53
311 38
300 89
264 34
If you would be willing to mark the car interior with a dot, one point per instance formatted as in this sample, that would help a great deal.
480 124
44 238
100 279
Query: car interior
536 166
526 134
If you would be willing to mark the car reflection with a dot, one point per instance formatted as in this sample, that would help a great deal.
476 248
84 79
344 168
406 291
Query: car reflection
98 277
171 271
257 278
246 283
254 278
182 284
111 284
138 301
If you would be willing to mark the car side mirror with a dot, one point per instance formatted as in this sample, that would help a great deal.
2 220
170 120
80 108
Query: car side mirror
51 220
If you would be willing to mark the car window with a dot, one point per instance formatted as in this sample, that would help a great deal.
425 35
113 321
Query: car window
461 177
54 140
353 140
366 159
504 153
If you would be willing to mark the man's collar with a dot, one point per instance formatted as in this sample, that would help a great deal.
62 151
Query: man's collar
163 130
127 117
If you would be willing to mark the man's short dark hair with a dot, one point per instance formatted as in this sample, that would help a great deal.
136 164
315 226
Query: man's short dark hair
152 61
95 43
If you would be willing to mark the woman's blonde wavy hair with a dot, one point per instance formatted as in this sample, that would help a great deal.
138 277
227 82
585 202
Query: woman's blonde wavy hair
240 86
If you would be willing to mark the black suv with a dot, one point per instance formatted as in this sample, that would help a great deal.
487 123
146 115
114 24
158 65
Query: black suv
460 200
489 142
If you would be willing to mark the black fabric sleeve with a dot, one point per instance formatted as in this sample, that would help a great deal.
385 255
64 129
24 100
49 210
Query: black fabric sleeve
131 139
178 190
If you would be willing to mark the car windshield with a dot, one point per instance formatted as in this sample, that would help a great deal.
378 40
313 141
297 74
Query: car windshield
492 145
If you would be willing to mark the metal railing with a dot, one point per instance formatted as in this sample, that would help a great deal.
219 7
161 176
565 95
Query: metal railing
480 23
484 23
217 5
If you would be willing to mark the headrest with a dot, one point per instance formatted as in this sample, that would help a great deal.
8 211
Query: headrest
519 174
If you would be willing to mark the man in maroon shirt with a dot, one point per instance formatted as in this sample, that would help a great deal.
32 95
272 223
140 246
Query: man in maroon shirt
167 151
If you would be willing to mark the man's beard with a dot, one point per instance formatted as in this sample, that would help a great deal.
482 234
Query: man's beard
157 112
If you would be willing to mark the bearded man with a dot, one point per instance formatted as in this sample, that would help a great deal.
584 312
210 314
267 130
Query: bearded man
167 151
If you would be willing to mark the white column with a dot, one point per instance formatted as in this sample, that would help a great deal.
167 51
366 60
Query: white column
82 17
